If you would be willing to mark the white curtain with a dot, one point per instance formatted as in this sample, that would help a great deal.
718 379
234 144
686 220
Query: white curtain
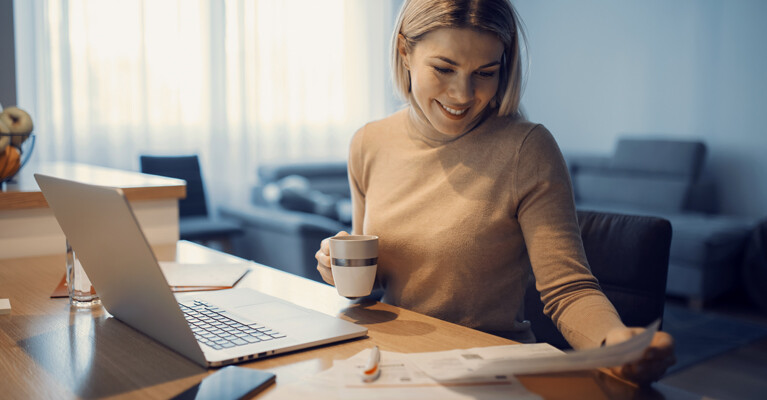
238 82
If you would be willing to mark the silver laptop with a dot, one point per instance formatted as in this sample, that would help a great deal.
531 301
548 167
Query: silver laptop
210 328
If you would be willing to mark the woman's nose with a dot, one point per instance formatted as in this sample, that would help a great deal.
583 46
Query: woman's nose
461 89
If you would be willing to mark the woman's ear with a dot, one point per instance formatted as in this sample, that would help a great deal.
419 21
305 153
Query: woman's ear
402 49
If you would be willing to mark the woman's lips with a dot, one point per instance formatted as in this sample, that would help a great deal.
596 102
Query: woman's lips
454 113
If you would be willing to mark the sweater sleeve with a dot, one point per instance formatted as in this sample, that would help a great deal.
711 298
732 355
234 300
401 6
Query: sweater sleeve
546 213
355 172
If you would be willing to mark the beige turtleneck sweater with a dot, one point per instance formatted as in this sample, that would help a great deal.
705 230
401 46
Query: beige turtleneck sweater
463 221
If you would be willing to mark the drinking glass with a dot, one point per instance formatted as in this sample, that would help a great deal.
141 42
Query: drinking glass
81 291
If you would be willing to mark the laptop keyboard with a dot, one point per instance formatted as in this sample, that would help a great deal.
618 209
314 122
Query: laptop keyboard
213 327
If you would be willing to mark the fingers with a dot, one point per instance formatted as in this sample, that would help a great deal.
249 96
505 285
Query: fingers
660 351
325 245
323 266
658 357
323 259
644 372
654 362
615 336
662 345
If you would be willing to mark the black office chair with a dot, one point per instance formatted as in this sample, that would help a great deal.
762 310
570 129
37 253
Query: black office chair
628 254
195 223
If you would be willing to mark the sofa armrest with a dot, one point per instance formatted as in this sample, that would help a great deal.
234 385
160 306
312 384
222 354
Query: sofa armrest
280 238
282 221
703 197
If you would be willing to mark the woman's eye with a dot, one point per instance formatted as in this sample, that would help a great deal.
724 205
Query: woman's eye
443 70
486 74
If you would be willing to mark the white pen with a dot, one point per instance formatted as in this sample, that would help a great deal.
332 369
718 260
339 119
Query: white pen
372 370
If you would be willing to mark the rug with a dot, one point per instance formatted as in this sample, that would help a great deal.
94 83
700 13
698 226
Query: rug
699 335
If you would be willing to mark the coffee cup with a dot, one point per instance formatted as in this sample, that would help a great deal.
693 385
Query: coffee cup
353 261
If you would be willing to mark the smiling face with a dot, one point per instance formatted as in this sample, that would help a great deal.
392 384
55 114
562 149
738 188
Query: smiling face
454 76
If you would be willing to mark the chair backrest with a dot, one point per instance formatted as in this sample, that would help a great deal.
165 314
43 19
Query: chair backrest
628 254
181 167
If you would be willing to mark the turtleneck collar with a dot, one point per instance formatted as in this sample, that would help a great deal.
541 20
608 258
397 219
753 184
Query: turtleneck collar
421 128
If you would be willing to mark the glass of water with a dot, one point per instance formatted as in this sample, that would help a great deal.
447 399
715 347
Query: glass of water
81 291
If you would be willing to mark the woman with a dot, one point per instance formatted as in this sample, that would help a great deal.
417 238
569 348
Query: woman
468 198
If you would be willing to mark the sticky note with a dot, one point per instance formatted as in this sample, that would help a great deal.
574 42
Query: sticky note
5 306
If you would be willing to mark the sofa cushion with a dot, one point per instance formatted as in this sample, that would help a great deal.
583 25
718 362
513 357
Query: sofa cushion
701 239
677 158
328 177
295 193
657 192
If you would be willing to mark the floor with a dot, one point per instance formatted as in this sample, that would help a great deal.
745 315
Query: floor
738 374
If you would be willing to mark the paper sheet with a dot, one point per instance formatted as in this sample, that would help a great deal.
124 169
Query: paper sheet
457 364
401 379
203 275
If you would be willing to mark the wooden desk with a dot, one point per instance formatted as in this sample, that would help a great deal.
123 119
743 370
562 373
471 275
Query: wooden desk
48 350
28 227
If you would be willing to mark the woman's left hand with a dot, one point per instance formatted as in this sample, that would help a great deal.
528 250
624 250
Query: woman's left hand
655 360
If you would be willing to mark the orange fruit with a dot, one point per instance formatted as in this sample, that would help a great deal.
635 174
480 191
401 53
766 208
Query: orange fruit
12 158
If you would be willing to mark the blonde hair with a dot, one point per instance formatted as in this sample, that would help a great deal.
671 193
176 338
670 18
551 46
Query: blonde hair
419 17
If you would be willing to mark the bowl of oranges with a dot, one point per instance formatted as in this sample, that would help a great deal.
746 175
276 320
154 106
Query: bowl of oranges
16 141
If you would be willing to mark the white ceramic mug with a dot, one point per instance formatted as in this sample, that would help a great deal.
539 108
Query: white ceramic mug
354 260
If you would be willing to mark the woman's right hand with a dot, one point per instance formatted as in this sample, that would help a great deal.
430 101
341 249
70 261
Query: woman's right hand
323 259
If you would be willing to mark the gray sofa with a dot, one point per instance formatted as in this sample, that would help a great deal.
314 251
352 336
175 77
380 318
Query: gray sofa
663 177
296 205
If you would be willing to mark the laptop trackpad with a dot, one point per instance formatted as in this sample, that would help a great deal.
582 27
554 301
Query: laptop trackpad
271 311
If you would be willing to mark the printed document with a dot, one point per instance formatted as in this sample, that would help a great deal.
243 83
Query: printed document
462 364
402 379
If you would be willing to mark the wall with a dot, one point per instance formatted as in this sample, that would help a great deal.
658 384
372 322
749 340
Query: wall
687 68
599 68
7 55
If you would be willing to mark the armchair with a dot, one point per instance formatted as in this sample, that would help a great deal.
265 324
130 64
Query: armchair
195 223
629 255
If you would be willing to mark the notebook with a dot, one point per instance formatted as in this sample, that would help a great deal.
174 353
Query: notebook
99 223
